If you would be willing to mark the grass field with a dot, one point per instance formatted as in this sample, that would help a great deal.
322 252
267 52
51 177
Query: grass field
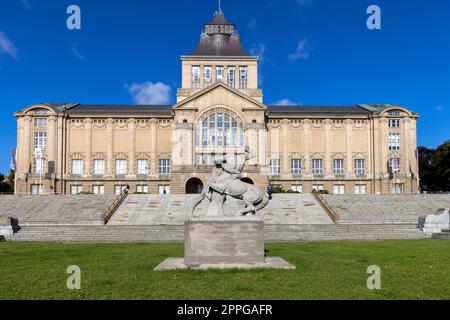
325 270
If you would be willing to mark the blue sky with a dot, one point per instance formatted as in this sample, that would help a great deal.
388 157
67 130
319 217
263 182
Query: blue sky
314 52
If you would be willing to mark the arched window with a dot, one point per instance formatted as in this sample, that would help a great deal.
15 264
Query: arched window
219 128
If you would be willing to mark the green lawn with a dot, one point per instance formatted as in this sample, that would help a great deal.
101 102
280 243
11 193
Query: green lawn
325 270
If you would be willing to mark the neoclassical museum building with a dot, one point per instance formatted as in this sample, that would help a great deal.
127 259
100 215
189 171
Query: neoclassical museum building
73 148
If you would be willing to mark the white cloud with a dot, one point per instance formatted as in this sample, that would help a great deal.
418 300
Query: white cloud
150 93
7 47
26 4
440 108
259 49
286 102
77 52
302 52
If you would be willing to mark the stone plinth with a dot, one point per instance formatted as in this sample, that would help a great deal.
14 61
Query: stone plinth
213 240
224 243
6 227
435 223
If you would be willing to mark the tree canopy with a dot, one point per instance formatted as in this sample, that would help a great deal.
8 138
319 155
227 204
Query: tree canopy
434 166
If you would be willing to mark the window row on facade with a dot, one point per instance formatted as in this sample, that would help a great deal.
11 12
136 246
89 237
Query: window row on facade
121 167
317 166
236 77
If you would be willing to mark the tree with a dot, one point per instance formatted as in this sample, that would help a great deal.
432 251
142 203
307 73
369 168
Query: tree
434 166
441 166
11 178
4 187
426 157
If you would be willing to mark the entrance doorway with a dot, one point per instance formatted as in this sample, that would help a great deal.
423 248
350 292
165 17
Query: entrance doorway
194 186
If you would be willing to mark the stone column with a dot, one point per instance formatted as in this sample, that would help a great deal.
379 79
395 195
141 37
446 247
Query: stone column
285 167
225 74
262 147
348 145
132 147
110 148
202 77
384 144
153 146
52 142
307 144
27 142
328 160
87 147
213 74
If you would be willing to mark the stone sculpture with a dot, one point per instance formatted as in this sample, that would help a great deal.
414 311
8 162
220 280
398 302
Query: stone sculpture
225 181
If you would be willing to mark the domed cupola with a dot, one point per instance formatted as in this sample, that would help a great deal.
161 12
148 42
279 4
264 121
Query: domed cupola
220 39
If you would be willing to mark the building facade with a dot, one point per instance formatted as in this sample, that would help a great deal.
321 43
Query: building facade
75 148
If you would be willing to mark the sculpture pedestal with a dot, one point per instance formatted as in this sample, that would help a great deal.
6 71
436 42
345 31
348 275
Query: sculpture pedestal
224 243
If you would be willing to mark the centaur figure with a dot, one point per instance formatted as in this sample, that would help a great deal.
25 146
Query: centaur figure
225 180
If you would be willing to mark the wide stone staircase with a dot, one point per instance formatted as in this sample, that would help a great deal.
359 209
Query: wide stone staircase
175 233
176 209
53 210
385 209
155 218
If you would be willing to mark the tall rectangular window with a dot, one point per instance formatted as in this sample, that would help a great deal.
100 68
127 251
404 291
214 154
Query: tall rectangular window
394 123
77 167
243 78
208 76
339 189
232 77
195 77
394 165
36 189
143 167
40 123
360 167
118 189
142 189
275 166
297 188
76 189
164 189
317 167
338 167
98 190
164 166
39 166
40 140
219 73
99 167
360 189
121 166
296 166
394 141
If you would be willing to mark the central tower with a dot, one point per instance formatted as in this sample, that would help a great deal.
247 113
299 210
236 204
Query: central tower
219 57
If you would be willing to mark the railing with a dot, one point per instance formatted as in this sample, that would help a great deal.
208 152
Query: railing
333 214
114 206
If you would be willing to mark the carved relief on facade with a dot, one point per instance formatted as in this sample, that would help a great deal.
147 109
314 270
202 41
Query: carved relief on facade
99 156
296 124
76 124
317 124
360 124
99 123
338 124
121 124
142 123
120 156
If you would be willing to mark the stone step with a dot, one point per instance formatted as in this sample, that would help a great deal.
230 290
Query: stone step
176 233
